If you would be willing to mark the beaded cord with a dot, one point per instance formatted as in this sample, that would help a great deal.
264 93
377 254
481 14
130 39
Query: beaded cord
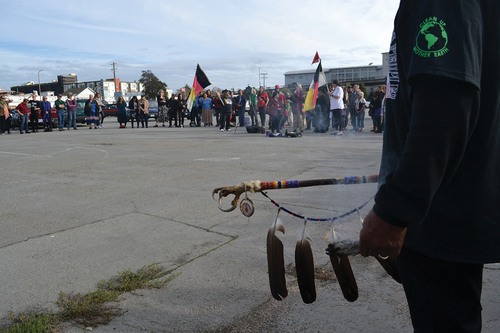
325 219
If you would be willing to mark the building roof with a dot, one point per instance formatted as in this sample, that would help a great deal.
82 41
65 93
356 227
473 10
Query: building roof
325 70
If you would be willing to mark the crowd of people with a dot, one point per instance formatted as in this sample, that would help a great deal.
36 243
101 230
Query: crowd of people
334 107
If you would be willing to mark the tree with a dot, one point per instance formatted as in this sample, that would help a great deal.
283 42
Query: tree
363 89
152 84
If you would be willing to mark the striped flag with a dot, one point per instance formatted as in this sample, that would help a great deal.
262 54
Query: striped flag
201 81
312 95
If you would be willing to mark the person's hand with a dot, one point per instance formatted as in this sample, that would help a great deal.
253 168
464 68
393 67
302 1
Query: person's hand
378 237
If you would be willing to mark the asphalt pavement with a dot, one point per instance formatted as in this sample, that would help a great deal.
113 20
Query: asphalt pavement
78 207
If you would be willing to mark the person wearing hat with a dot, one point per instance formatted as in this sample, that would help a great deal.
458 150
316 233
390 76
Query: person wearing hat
61 110
71 107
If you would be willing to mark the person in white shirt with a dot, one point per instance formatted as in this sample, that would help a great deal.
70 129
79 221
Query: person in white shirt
336 106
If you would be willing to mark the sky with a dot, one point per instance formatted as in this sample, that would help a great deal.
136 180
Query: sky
231 40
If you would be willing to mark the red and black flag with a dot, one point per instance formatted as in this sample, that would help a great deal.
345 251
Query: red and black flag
201 81
312 95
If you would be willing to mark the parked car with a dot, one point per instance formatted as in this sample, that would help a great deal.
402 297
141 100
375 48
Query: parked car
110 110
80 111
15 118
153 108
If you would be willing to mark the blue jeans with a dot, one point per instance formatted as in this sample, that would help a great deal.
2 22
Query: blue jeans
241 116
23 123
72 119
60 118
352 112
46 119
360 120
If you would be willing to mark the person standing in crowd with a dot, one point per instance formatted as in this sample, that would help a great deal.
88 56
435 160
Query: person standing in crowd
122 112
35 107
172 115
360 105
336 106
46 118
217 106
253 107
162 108
280 97
92 115
196 111
376 112
276 111
100 113
322 111
437 207
71 105
133 106
61 111
181 109
298 99
353 97
345 114
226 110
206 110
240 102
209 95
22 108
263 100
4 115
143 111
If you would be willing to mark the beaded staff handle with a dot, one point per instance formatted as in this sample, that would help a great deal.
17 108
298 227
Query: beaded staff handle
258 186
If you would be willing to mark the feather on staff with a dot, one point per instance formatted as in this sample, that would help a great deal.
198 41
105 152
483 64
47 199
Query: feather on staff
391 267
276 261
304 264
343 271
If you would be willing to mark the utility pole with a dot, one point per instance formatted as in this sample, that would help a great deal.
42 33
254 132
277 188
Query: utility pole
264 75
259 76
114 77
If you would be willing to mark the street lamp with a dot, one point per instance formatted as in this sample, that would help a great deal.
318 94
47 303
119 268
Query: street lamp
39 89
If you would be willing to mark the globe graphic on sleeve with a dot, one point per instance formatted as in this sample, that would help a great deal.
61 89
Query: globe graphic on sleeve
432 37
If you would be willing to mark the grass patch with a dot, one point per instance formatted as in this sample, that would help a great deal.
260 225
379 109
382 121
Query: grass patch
92 309
33 323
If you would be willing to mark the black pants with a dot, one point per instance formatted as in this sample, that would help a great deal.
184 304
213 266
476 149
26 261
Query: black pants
262 114
225 119
172 115
377 123
180 116
4 126
443 296
337 119
34 121
275 123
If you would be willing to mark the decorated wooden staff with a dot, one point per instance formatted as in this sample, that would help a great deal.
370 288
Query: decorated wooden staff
258 186
304 262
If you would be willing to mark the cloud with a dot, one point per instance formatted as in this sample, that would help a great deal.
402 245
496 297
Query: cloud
229 39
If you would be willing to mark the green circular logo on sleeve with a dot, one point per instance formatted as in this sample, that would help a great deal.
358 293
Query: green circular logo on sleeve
432 39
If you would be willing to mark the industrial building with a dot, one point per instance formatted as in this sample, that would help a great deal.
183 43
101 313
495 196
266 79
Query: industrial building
371 75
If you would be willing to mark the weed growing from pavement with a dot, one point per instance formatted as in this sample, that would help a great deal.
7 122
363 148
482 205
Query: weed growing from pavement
31 322
92 309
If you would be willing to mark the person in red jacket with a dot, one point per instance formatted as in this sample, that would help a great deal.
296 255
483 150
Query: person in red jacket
262 101
23 116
